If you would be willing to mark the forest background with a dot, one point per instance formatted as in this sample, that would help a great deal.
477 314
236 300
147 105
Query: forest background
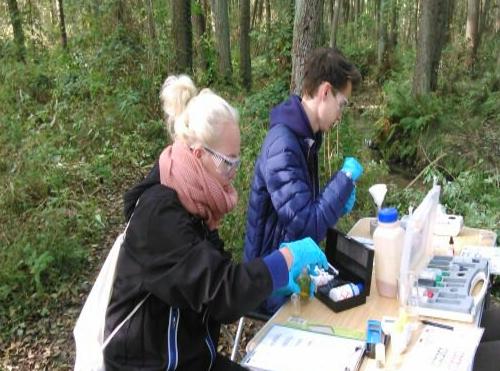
80 122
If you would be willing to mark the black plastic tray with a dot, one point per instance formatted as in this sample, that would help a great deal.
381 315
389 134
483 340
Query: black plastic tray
355 264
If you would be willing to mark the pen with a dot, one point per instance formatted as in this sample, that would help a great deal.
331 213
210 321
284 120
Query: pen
436 324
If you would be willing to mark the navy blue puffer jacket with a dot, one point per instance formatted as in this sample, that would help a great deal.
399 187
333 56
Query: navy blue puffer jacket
285 202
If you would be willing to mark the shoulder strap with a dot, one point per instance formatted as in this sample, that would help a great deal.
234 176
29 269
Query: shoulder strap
117 328
110 336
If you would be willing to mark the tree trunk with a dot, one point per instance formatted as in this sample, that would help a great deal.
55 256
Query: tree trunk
483 19
432 35
17 27
182 35
257 12
337 9
418 4
393 37
245 62
422 75
151 19
471 33
442 26
62 25
268 17
347 11
382 34
497 21
254 12
306 29
200 28
53 12
221 18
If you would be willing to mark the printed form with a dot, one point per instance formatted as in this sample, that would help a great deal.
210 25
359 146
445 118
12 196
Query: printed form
288 349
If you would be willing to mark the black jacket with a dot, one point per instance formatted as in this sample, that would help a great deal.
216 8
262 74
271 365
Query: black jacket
194 286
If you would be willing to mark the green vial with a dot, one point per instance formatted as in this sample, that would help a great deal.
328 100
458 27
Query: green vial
304 282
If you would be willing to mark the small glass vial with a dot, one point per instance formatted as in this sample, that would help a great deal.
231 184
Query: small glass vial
304 282
451 246
295 299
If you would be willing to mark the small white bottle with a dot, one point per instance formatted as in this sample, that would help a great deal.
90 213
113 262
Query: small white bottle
388 241
345 291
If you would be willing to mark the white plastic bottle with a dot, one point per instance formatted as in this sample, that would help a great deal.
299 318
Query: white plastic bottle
388 241
346 291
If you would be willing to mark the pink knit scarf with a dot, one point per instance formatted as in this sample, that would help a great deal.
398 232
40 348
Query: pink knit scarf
198 191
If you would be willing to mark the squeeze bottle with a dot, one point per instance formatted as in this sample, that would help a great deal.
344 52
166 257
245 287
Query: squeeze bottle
388 241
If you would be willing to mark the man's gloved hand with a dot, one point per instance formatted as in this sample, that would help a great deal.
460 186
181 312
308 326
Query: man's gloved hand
350 203
352 168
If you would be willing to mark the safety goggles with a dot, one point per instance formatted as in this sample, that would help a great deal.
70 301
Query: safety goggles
342 101
225 165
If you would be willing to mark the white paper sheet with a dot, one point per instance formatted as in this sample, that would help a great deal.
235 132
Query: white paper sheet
439 349
289 349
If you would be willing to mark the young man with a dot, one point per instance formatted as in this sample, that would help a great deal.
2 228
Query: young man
285 200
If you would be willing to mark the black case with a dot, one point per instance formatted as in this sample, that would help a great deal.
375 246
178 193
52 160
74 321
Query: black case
355 264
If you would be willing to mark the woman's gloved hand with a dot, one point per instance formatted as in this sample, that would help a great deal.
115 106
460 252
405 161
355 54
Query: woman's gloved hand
305 253
350 203
352 168
293 287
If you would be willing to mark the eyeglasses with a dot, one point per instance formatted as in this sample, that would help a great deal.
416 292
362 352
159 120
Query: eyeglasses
224 165
343 103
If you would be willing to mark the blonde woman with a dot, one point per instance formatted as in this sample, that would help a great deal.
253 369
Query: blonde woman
172 251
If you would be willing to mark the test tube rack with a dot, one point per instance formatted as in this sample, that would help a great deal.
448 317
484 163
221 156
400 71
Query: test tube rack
444 287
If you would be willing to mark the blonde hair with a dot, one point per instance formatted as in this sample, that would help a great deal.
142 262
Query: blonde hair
194 118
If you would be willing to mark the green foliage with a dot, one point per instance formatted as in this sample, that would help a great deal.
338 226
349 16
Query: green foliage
405 120
474 195
76 127
271 51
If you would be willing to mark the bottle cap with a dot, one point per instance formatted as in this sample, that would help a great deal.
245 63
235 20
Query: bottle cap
360 287
388 215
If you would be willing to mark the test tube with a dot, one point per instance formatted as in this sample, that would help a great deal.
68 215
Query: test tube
295 299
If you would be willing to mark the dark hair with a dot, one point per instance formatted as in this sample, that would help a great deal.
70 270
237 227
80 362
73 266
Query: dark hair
328 64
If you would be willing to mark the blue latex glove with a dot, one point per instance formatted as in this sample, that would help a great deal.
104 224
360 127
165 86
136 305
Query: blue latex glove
353 167
305 252
349 203
293 287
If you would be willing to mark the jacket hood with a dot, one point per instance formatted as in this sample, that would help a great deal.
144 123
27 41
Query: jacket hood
132 195
291 114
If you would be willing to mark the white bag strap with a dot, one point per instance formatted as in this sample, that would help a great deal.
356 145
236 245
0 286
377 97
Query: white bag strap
110 336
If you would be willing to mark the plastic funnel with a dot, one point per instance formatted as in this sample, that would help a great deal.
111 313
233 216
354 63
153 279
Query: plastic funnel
378 192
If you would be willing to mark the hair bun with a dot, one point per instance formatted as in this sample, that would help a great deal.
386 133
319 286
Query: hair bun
175 94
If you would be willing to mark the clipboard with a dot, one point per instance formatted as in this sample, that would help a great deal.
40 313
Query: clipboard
290 349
